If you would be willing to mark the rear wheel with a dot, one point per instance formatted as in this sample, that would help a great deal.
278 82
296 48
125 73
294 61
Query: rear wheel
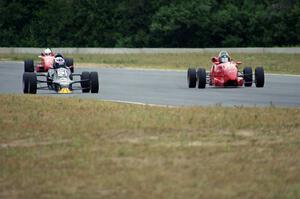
28 66
201 76
191 77
94 82
70 64
248 76
29 83
85 84
259 77
72 69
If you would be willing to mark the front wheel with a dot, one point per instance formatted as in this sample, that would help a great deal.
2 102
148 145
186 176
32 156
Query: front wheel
191 77
94 82
85 82
259 77
248 76
201 76
29 83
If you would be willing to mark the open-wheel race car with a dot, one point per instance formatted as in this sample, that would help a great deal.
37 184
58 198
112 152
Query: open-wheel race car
47 59
60 79
224 72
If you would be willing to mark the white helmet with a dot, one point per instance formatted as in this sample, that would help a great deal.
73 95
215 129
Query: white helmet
47 51
59 62
224 57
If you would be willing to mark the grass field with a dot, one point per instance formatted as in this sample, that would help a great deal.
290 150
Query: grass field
273 63
73 148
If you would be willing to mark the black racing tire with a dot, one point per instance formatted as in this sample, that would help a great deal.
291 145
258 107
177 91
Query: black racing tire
94 82
259 77
25 83
248 76
192 77
29 83
201 77
72 69
70 63
28 66
85 85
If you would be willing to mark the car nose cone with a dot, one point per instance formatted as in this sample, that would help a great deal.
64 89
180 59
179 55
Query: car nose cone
64 91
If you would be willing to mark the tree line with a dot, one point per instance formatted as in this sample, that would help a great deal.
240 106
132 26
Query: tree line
149 23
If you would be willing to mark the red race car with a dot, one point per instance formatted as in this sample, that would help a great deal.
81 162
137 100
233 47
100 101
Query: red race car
47 58
224 72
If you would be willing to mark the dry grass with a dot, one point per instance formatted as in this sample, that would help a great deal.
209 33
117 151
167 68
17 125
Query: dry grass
73 148
275 63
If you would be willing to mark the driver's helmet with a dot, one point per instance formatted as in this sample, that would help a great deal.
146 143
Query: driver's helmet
47 52
58 55
224 57
59 62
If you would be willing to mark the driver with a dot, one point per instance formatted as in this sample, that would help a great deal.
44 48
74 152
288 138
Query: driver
224 57
47 52
59 62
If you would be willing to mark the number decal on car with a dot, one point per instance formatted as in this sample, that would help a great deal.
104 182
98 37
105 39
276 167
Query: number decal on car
61 72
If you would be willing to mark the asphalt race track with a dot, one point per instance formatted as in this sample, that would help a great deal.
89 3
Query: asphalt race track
163 87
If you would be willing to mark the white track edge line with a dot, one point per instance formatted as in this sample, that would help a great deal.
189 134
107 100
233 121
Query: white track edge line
140 103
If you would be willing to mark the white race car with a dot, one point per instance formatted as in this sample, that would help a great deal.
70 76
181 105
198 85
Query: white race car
60 79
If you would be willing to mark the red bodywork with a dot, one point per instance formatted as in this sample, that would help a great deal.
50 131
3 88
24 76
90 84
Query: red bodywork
46 63
225 74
